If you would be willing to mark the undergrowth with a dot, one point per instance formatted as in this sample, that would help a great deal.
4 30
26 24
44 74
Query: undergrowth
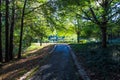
105 62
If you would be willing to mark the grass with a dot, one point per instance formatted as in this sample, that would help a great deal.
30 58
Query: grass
33 58
34 47
101 64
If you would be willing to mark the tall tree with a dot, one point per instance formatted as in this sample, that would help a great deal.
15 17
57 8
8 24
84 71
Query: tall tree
78 28
12 30
7 31
1 57
100 13
21 32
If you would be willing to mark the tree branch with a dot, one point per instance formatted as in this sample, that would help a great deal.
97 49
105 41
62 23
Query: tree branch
36 8
87 16
93 15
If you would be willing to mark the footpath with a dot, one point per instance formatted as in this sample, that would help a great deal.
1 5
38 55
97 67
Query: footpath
59 67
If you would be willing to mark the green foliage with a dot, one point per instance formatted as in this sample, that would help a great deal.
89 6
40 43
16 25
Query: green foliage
67 17
100 61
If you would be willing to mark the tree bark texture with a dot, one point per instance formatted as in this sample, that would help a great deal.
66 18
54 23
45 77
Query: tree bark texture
78 35
21 31
104 35
7 32
12 31
1 56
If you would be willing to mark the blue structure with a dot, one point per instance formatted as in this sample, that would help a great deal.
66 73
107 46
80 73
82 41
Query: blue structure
55 38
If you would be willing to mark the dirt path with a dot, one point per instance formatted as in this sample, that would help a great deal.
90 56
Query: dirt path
59 67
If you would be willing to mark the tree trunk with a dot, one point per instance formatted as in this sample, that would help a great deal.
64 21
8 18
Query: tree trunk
7 32
12 31
21 31
104 35
41 41
78 34
1 57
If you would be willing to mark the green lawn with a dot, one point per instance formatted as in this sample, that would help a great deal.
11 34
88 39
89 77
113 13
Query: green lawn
33 47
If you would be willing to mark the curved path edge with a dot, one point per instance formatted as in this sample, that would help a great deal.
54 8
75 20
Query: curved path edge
80 69
28 73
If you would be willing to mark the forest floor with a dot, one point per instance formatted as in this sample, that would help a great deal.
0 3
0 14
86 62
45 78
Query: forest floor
60 66
31 60
99 63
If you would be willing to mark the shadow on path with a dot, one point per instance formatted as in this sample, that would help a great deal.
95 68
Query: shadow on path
59 67
15 69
